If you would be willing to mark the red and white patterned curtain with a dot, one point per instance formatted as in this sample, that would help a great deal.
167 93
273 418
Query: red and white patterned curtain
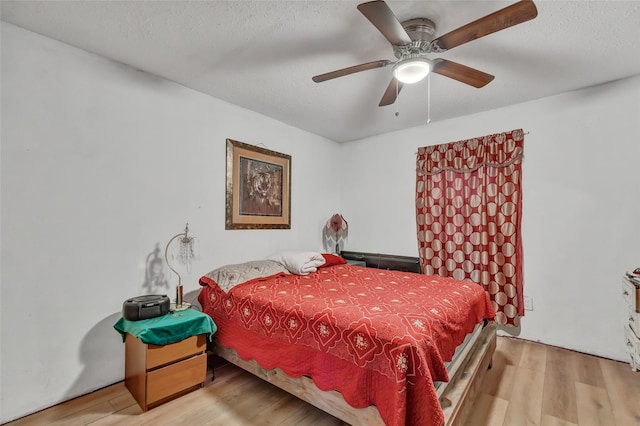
469 210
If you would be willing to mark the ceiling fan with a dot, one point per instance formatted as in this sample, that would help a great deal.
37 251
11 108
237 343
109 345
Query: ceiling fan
412 41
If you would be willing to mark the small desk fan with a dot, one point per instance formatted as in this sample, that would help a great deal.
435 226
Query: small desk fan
335 233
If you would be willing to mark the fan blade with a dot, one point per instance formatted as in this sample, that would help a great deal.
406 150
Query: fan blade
512 15
391 93
350 70
462 73
385 21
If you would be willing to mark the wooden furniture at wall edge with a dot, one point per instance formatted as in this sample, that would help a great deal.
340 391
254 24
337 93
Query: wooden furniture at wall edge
631 295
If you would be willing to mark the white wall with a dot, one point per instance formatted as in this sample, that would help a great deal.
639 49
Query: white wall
581 202
100 163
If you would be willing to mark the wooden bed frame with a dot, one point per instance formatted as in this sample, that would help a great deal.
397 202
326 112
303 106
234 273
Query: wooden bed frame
456 396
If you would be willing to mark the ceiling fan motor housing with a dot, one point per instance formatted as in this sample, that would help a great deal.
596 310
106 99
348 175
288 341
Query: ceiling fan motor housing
421 31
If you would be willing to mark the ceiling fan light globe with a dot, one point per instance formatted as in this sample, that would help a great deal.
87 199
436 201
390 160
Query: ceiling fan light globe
411 70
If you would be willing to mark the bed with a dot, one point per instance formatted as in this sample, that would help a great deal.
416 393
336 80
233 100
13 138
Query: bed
368 346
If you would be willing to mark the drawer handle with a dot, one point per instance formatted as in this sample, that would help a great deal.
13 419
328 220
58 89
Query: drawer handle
632 319
629 343
625 293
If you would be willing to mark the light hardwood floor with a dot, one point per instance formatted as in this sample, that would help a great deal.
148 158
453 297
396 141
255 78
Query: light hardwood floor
529 384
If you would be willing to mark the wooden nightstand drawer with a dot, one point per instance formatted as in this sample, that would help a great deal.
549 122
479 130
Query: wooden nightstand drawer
162 355
174 378
634 321
184 366
631 294
632 341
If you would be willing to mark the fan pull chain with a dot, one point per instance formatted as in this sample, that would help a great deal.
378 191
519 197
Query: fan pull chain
429 98
397 99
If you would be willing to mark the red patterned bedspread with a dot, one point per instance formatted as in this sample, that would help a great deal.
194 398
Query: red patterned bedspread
378 337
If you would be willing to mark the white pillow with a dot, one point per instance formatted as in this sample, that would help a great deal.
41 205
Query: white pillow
299 262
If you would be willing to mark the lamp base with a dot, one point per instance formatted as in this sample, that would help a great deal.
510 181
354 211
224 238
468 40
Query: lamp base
183 307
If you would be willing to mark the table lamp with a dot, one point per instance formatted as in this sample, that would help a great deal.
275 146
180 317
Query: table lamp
185 255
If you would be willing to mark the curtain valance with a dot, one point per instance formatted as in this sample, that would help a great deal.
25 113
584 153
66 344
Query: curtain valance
498 150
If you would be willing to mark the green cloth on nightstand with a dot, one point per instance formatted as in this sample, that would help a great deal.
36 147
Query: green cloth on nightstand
169 328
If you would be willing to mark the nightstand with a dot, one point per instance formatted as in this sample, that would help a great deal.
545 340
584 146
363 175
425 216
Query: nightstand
165 356
631 294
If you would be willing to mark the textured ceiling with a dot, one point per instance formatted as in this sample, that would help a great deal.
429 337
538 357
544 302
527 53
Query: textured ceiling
261 55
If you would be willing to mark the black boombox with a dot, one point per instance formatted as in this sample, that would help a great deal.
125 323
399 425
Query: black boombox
145 307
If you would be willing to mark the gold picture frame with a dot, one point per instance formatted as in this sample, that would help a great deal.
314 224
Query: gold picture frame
258 194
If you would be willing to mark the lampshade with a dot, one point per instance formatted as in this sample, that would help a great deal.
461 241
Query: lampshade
411 70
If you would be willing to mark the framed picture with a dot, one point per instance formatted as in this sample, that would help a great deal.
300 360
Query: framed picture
258 188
